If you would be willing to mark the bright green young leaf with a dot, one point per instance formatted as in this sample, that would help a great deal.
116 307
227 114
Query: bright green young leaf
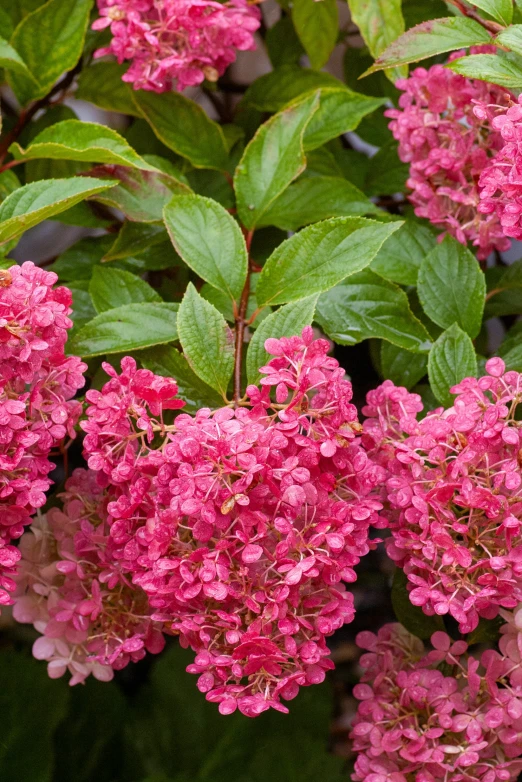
110 288
451 359
339 111
167 361
38 201
127 328
380 22
452 287
319 257
273 158
500 10
284 322
83 141
430 38
209 240
282 43
489 67
366 306
284 85
207 341
311 199
184 127
511 37
101 84
50 42
402 367
11 60
400 258
140 195
412 617
317 25
135 238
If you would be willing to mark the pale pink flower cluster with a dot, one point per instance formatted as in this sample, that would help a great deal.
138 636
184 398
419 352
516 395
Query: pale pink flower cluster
453 495
37 386
448 146
500 182
439 715
92 619
173 44
241 525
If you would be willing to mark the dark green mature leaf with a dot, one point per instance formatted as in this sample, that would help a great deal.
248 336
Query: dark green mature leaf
207 341
487 631
184 127
452 287
102 85
317 25
26 749
402 367
140 195
511 37
505 294
110 288
412 617
340 111
489 67
11 60
282 43
427 39
131 327
50 42
319 257
285 84
38 201
501 10
273 158
9 182
380 23
82 307
135 238
400 258
209 240
386 172
315 198
451 359
285 322
512 339
83 141
167 361
367 306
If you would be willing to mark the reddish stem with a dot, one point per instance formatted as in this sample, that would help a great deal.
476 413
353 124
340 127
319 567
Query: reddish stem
241 323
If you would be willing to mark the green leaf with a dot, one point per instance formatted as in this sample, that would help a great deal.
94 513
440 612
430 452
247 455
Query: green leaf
273 158
282 43
402 367
84 141
489 67
367 306
50 42
380 22
82 307
273 91
315 198
400 258
317 25
11 60
287 321
430 38
26 749
340 111
451 359
452 287
140 195
500 10
207 341
511 37
101 84
386 172
412 617
512 339
209 240
167 361
38 201
135 238
184 127
127 328
320 256
110 288
9 182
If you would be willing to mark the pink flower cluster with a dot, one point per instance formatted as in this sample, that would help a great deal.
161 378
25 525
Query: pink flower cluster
175 44
240 525
448 145
454 502
501 181
438 715
37 410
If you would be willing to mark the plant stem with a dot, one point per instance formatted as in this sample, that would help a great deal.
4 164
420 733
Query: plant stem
491 27
241 323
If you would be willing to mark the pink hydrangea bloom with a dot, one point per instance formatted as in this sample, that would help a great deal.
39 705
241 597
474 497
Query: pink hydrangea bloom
500 182
416 723
37 386
453 494
448 146
173 44
241 525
